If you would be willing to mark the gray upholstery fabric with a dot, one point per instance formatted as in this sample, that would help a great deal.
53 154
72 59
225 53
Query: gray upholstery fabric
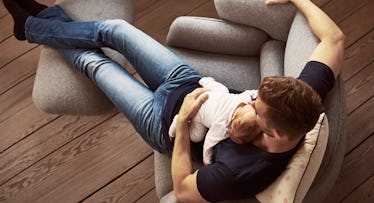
236 72
275 19
300 45
58 87
202 34
162 174
272 57
333 159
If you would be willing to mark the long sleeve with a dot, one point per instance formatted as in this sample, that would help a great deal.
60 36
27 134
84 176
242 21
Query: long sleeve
215 134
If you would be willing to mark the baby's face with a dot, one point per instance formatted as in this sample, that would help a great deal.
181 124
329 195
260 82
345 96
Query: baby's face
243 126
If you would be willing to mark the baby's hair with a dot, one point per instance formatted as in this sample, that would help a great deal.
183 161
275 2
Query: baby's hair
249 132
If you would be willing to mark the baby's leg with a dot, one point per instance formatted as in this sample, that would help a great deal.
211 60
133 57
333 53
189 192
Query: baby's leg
197 131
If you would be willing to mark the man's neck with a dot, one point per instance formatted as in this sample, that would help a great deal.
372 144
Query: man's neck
269 144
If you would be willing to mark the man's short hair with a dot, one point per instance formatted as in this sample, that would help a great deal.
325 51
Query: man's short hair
294 106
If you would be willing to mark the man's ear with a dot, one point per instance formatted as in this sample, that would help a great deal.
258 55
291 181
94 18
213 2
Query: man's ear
278 135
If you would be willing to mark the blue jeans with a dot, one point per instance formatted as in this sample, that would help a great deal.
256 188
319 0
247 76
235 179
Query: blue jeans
79 43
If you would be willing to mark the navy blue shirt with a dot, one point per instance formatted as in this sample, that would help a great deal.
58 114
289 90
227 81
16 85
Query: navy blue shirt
242 170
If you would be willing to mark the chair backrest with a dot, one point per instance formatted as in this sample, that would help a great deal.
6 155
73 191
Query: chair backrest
274 20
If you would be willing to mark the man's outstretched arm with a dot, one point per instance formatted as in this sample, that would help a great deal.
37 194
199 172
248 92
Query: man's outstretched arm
330 50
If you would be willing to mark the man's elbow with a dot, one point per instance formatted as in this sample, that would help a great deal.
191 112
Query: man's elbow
179 195
338 38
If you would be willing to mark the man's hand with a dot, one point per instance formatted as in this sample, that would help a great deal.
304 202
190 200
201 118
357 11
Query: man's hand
270 2
191 104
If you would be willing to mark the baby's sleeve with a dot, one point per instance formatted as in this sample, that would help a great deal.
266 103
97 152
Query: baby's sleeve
211 84
249 95
215 134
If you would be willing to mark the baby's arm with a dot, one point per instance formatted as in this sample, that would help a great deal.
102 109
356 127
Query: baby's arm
197 130
210 84
215 134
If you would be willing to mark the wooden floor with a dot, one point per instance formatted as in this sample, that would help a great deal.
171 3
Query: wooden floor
54 158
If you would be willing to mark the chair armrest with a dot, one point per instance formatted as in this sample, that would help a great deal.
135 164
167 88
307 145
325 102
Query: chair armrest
273 19
272 58
215 36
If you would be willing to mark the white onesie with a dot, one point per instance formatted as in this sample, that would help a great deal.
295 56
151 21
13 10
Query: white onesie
215 115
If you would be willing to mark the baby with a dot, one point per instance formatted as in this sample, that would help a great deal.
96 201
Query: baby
225 115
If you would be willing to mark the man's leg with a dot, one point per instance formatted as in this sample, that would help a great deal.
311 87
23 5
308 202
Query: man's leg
154 62
138 103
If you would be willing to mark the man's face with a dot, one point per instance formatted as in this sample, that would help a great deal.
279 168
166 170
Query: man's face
260 108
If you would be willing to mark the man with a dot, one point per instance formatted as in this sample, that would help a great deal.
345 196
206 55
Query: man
275 139
239 170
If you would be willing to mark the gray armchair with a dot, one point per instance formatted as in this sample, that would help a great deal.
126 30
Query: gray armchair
251 41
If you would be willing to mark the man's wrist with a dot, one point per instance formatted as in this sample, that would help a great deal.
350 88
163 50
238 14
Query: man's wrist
183 120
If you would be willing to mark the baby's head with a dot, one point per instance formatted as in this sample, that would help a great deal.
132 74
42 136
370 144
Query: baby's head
243 127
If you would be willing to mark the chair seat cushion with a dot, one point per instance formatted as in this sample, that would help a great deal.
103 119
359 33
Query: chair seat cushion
236 72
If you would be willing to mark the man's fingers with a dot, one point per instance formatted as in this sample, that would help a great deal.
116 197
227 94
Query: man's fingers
270 2
197 92
203 98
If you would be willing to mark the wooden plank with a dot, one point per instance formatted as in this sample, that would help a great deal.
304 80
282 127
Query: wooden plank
19 69
338 11
143 7
360 88
357 167
364 194
358 24
205 10
320 3
358 56
20 125
3 10
359 124
46 2
6 27
45 141
129 187
12 48
80 167
149 197
16 99
162 17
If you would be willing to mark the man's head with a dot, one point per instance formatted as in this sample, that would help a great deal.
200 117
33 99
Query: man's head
287 105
